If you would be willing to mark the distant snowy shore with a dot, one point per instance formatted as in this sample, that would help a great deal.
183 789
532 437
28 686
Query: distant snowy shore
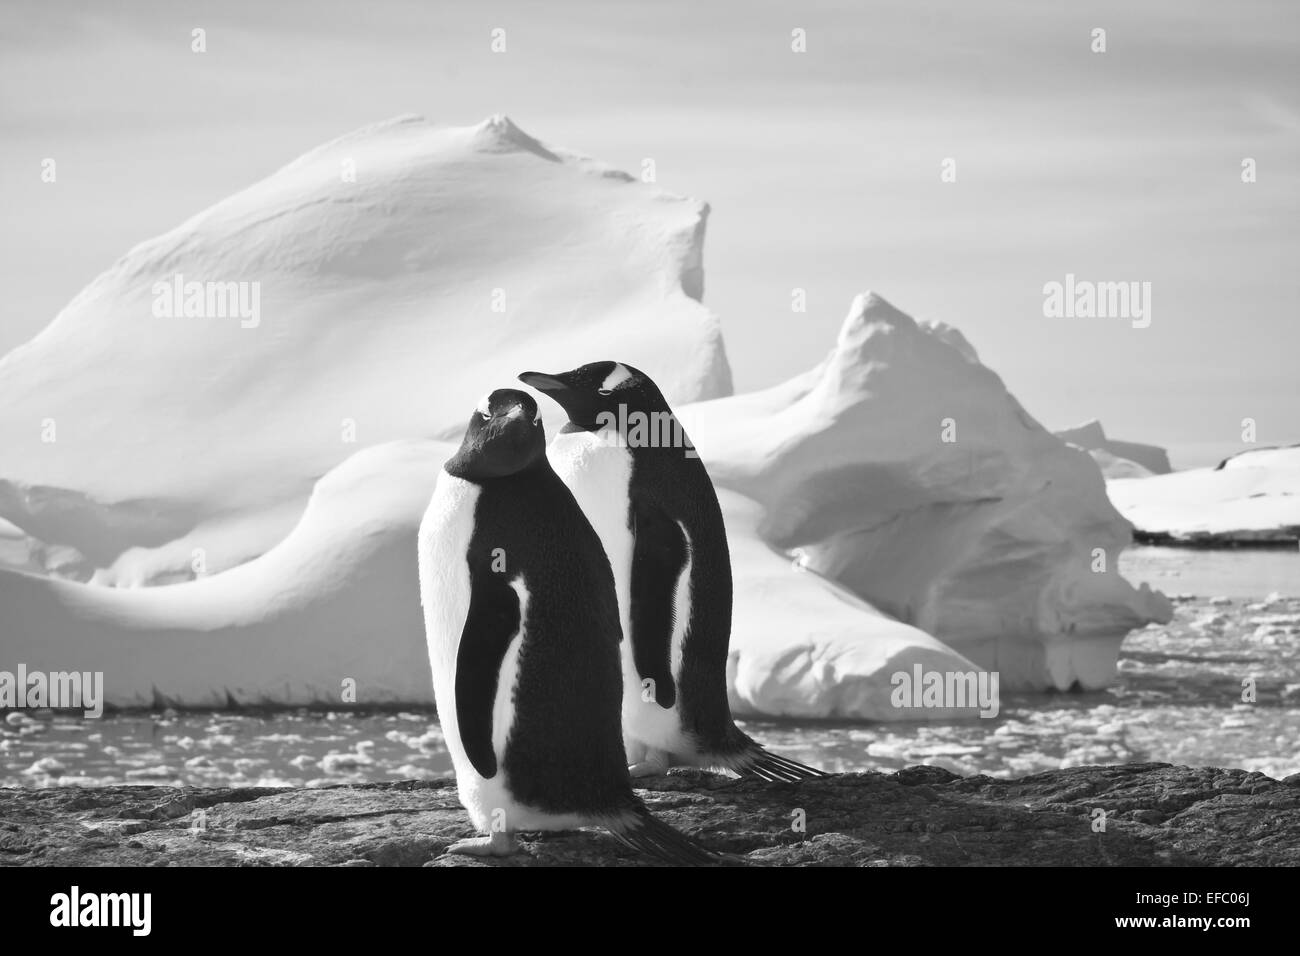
1250 499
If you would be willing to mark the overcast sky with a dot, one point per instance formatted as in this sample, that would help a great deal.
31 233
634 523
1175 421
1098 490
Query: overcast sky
822 168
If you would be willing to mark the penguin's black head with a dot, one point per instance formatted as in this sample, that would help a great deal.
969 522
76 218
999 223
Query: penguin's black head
504 436
594 394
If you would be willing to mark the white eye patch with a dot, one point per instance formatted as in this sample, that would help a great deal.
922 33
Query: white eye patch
615 378
484 406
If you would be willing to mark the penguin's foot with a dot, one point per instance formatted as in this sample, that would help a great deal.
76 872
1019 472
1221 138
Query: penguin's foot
654 764
500 843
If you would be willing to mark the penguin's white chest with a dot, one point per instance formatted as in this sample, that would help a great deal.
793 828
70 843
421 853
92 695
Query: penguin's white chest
444 540
598 471
445 534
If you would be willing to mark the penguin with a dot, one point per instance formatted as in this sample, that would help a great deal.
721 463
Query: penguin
523 635
631 467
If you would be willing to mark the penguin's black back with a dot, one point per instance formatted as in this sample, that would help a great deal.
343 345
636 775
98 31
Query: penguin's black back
675 481
565 752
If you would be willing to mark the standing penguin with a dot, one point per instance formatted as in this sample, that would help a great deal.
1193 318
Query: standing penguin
523 632
628 462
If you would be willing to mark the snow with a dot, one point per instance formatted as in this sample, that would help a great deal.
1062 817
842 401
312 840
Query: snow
339 599
986 542
1117 459
376 314
805 647
272 478
1250 497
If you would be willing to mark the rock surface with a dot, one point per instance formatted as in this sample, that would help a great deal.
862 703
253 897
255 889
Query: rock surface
1156 814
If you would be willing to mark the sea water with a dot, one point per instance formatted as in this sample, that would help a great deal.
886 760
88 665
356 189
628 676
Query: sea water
1218 686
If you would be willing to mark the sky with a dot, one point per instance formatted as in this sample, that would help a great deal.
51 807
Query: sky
823 168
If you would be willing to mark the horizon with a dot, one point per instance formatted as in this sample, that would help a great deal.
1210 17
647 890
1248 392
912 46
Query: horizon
1123 166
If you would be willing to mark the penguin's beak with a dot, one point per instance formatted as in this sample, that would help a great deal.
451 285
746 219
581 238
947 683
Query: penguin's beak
543 382
576 402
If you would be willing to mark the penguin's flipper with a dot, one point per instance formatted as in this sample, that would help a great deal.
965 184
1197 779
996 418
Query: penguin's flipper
659 554
491 624
642 830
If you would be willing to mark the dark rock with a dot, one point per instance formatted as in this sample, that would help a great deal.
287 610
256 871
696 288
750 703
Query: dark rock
1155 815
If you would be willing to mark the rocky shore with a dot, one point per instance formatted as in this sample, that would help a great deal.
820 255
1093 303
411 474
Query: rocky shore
1153 815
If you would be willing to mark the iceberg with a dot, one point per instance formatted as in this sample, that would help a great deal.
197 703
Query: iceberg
331 617
214 461
336 601
903 469
1117 459
400 271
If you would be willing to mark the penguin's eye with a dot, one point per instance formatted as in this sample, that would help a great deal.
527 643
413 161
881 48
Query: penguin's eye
487 416
605 391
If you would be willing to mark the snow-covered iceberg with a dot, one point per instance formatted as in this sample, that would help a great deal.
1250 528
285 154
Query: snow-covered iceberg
336 600
335 608
805 647
1117 459
271 474
1252 497
399 271
902 468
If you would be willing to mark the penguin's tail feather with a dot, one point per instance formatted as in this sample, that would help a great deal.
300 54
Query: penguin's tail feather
641 830
765 765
